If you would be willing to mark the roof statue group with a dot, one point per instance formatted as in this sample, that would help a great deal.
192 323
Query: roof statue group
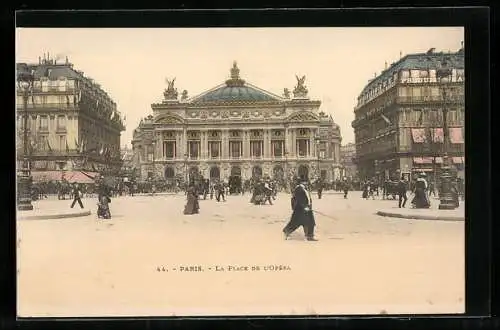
299 91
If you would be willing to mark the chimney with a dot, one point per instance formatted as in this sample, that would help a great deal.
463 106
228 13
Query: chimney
400 54
385 65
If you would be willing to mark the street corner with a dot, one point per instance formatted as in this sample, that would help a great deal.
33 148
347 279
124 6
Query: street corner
52 214
457 215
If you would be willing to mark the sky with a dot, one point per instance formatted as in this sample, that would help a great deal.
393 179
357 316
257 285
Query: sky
132 64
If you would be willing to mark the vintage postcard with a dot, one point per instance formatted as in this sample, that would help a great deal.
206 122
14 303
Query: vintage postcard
240 171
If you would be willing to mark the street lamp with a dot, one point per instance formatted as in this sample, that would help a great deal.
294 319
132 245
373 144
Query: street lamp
25 84
446 200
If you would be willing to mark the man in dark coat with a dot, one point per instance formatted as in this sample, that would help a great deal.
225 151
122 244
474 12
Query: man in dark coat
345 186
76 196
320 188
402 188
302 212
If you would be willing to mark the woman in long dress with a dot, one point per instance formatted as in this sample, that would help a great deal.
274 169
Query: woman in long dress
421 200
192 205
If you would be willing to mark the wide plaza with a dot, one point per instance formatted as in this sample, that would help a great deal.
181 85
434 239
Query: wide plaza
231 259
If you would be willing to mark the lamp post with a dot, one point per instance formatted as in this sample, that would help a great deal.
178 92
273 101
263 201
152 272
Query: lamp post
446 200
25 84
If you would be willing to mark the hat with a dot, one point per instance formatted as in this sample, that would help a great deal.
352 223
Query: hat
302 178
422 174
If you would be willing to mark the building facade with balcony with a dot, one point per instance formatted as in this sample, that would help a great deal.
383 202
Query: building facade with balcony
73 125
347 159
237 129
398 121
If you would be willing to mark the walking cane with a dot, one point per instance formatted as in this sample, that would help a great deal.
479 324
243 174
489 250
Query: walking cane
325 215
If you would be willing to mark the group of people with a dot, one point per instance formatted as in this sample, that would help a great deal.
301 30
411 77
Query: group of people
420 188
264 191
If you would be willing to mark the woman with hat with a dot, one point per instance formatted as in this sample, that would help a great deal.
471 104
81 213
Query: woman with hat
421 200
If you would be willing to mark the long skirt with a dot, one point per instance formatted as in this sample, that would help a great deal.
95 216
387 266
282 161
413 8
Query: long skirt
192 205
420 201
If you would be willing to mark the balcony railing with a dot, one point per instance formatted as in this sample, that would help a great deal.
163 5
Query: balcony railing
425 99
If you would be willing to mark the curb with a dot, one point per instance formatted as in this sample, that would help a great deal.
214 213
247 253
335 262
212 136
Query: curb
420 217
55 216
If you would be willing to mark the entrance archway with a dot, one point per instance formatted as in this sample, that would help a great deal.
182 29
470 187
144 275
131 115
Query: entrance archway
278 173
303 171
169 173
193 173
214 173
257 171
235 171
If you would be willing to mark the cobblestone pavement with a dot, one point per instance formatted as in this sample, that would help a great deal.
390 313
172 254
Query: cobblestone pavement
150 259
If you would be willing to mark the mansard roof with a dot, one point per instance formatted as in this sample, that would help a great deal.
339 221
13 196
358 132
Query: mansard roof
420 61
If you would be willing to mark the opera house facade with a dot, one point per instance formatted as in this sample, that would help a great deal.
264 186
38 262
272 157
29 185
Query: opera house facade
237 129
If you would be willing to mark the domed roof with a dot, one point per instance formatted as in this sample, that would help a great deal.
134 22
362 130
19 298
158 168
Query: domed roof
235 89
235 93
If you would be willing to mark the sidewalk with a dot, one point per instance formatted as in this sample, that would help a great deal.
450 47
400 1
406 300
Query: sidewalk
432 213
56 209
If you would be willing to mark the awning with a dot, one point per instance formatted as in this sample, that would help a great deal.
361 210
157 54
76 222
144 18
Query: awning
456 135
457 160
422 160
70 176
418 135
437 135
438 160
46 175
417 169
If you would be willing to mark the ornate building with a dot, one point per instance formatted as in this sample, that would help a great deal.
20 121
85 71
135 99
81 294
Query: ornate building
398 121
237 129
73 124
347 159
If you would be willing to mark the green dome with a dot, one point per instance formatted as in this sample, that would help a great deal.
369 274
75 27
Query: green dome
235 93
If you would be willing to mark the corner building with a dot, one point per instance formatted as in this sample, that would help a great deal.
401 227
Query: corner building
73 124
398 123
237 129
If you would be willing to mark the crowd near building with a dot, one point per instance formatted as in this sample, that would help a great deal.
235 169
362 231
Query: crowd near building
348 159
237 129
399 123
73 124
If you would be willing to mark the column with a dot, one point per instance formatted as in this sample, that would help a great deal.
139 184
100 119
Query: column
246 144
225 147
206 154
184 142
266 141
293 144
287 142
311 146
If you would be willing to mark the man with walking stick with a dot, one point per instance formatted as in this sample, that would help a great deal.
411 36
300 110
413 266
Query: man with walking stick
302 212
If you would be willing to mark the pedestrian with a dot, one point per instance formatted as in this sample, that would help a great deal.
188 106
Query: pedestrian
402 188
421 200
320 188
267 193
302 214
76 196
192 205
220 192
346 188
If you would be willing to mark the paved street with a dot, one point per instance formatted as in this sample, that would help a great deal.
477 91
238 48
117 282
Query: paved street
150 259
